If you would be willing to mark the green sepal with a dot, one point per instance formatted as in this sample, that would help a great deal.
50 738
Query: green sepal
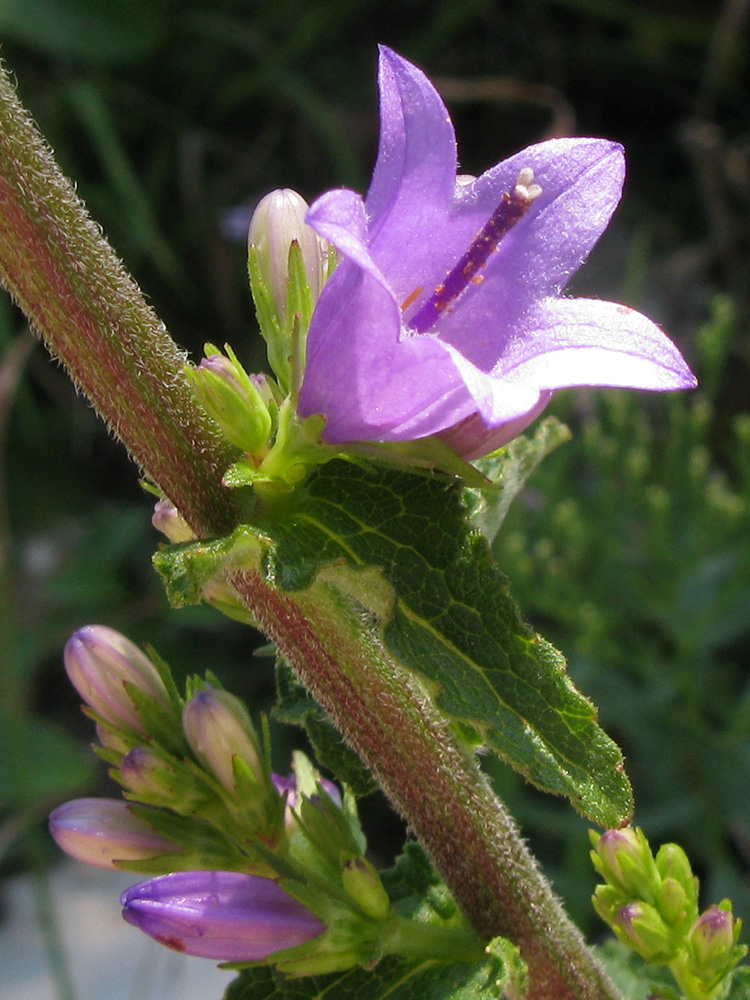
277 342
203 846
424 455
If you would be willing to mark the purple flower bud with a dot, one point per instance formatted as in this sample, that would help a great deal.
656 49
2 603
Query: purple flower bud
228 916
279 220
218 729
102 831
100 662
168 520
288 785
640 927
624 858
711 940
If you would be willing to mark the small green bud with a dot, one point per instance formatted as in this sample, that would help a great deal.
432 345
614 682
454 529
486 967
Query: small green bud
675 905
672 862
607 902
362 883
218 728
640 926
624 859
233 399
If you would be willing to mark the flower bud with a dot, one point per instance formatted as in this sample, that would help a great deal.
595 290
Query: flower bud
288 786
278 221
233 399
624 859
168 520
640 927
147 775
672 864
229 916
362 883
101 663
103 831
218 729
711 941
674 904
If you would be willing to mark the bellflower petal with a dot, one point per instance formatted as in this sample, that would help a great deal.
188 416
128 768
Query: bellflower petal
445 314
586 342
227 916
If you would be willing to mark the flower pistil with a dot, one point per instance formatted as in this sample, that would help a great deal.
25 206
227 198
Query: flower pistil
512 208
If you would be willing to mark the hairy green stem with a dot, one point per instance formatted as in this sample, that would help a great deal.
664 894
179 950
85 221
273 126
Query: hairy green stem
397 730
79 298
67 279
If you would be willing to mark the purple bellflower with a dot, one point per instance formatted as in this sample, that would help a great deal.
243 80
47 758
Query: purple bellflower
445 315
227 916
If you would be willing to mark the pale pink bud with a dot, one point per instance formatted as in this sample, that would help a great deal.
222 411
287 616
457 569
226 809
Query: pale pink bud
278 220
100 663
168 520
102 831
218 729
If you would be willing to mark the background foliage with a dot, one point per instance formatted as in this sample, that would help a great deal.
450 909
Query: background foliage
630 550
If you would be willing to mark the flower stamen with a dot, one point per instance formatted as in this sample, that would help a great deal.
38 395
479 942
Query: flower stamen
513 206
411 298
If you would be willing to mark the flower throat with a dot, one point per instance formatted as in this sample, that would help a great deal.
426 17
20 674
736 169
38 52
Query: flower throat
513 206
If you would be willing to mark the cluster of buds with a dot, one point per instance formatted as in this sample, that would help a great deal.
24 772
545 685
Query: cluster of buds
243 405
289 265
251 866
651 903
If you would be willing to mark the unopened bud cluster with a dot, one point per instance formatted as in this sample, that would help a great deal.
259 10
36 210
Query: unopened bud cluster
288 265
651 903
251 865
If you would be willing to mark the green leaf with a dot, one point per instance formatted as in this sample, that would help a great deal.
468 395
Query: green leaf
391 978
739 984
446 613
187 568
635 978
415 888
295 706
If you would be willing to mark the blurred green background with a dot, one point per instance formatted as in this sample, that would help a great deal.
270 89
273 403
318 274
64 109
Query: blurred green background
631 547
